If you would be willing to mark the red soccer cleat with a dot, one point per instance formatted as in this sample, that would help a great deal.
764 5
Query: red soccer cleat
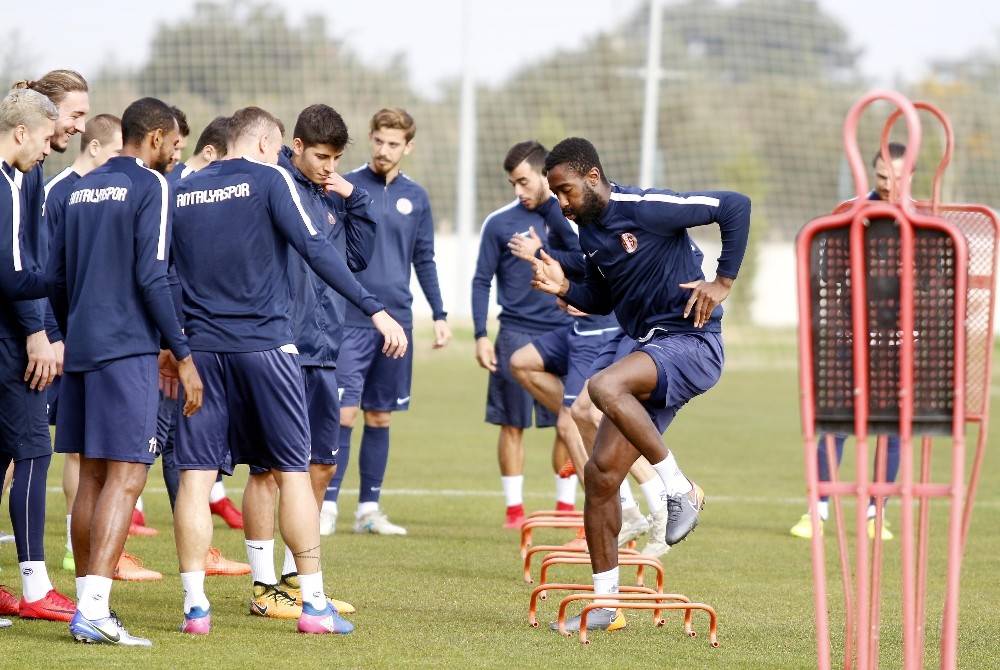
139 527
564 507
567 470
515 516
53 607
8 602
217 564
227 510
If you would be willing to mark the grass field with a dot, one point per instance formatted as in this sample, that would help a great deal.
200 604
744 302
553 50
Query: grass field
450 594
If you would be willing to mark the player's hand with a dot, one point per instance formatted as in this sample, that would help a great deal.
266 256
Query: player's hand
549 276
394 337
169 383
569 309
705 297
337 184
60 349
41 368
442 334
485 355
525 248
191 381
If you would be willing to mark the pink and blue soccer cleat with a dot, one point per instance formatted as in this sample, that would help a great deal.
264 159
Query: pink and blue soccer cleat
197 622
323 621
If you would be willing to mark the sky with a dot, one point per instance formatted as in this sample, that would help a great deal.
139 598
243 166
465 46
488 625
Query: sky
898 38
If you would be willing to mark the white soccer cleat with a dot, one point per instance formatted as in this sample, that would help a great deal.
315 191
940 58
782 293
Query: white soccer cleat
327 519
377 523
633 525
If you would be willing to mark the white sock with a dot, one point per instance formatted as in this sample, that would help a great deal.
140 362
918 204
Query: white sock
366 508
655 494
80 582
625 496
871 511
217 493
673 479
606 583
566 489
329 507
138 503
513 489
94 601
312 590
260 555
194 590
824 509
289 567
69 534
34 580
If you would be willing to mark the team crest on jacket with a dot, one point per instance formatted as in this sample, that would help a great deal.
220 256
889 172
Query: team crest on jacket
404 206
331 219
629 243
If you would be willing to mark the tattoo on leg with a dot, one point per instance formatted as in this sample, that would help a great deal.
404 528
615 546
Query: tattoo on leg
307 553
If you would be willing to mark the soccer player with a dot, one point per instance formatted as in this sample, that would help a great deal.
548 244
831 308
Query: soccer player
885 177
113 303
100 141
185 131
27 122
642 264
381 385
525 315
244 214
319 139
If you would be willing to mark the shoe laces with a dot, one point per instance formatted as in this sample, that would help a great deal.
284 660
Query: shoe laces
278 596
215 553
132 557
674 508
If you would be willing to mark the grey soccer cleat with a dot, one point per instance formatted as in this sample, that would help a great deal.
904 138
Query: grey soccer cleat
682 514
108 630
633 525
597 619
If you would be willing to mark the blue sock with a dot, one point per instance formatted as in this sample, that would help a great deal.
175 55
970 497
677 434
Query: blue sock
824 470
891 463
27 507
343 459
373 461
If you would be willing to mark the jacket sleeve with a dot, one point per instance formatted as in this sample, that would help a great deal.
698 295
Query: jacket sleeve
486 268
16 281
592 295
423 262
360 228
564 243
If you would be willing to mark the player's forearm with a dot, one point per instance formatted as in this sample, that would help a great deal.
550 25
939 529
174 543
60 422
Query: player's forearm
160 304
30 315
361 229
427 277
734 227
584 298
480 307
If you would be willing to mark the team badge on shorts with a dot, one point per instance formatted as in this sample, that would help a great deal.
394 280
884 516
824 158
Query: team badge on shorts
629 243
331 219
404 206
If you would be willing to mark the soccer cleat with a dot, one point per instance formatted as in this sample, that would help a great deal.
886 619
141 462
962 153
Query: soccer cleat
327 520
108 630
131 569
598 619
138 526
655 548
197 622
567 470
9 604
268 600
323 621
5 537
227 510
515 516
217 564
564 506
6 623
377 523
634 524
804 527
290 584
682 513
69 563
886 533
53 606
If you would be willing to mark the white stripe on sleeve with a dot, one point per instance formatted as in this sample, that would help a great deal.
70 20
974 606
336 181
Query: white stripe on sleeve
293 191
15 197
161 243
663 197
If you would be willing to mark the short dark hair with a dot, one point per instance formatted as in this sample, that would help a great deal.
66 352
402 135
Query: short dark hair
529 150
321 124
182 120
243 121
216 134
101 128
144 116
896 151
578 153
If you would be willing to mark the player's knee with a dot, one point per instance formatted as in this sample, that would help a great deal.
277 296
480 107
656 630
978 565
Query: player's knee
566 426
523 362
378 419
603 390
598 482
581 409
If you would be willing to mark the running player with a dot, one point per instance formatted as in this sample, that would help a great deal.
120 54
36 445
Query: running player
642 264
375 383
244 214
112 300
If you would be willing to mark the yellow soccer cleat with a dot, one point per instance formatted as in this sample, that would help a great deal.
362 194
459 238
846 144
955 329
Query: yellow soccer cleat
290 584
886 533
804 527
269 601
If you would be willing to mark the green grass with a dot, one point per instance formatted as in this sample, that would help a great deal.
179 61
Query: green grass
450 594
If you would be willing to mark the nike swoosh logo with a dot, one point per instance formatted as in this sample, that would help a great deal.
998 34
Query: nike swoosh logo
261 548
593 253
400 401
116 638
260 609
334 452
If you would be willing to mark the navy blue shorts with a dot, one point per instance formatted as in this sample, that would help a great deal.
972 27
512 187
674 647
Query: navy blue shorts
370 379
254 412
507 403
52 399
323 401
569 354
110 413
687 364
617 347
24 428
